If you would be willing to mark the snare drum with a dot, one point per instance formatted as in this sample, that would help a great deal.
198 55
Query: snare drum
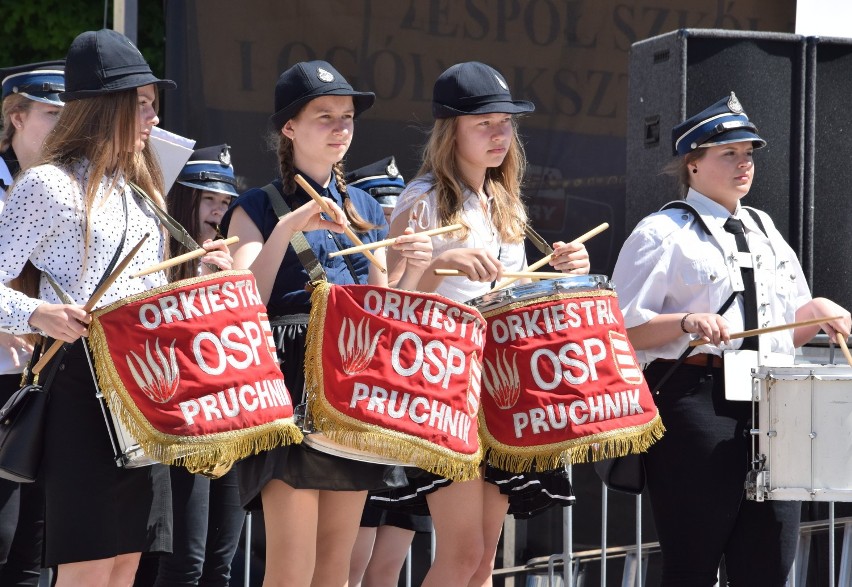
520 294
804 446
128 453
560 379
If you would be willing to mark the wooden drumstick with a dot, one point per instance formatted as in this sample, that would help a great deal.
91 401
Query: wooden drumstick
346 230
182 258
768 329
513 274
57 344
841 341
546 259
392 241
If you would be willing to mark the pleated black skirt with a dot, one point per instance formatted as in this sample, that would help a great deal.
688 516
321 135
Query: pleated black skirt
95 509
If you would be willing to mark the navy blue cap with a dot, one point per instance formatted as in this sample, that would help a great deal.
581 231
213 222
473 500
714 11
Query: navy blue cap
380 179
41 82
308 80
474 88
722 123
209 169
105 61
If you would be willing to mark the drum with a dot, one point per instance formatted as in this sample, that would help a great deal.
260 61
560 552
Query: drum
392 377
803 447
128 453
560 379
189 374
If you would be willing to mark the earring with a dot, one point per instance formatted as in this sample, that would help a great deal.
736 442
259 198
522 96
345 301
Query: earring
694 170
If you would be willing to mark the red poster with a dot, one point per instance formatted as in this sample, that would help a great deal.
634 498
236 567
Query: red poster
397 373
190 369
560 380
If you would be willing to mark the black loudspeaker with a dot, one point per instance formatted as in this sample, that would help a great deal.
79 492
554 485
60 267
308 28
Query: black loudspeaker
828 179
678 74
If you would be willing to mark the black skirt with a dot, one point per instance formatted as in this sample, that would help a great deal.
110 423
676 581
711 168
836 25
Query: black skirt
373 517
301 466
95 509
529 493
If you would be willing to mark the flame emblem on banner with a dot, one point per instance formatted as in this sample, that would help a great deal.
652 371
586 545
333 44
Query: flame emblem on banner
356 349
160 376
502 380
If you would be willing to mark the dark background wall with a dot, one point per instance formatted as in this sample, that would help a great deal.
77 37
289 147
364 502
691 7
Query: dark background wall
567 56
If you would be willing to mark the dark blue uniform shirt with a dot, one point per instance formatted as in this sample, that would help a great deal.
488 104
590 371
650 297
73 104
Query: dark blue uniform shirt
288 293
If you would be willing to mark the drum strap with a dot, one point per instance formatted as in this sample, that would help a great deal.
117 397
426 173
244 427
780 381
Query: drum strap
176 230
536 239
688 350
300 243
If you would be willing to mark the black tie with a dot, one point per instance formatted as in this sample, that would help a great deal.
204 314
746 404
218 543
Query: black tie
735 227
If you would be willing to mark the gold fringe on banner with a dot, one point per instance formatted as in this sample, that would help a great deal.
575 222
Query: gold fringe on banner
595 447
368 437
209 453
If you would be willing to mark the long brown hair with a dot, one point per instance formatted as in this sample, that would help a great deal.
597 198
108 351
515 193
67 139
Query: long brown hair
11 104
287 168
183 202
102 130
503 183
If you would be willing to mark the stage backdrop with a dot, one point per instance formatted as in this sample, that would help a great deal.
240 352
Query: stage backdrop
568 56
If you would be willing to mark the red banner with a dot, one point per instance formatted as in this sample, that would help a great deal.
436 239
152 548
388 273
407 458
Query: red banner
397 374
191 370
562 381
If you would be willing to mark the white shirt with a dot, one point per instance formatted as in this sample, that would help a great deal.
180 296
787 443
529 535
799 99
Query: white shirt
44 221
7 364
669 264
482 235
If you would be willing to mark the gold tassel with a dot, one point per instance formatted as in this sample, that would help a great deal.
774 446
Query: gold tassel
595 447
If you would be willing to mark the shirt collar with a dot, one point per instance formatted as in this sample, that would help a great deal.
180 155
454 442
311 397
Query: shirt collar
708 207
330 192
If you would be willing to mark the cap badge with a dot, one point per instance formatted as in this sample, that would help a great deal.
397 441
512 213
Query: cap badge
392 170
225 156
324 76
501 82
734 104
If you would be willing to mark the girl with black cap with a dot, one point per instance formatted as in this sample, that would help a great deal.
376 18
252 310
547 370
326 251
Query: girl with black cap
473 165
207 515
678 279
31 107
70 217
312 501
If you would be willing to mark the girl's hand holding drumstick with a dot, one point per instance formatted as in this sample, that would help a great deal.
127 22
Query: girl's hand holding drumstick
346 230
567 255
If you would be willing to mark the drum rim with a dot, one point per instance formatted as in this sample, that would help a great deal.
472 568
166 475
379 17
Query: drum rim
588 282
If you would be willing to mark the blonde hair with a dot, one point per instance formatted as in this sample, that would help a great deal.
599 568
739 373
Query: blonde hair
679 169
12 104
287 169
503 183
102 130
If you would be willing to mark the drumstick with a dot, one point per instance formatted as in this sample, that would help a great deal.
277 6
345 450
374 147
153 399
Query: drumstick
546 259
182 258
57 344
841 341
346 230
755 332
512 274
392 241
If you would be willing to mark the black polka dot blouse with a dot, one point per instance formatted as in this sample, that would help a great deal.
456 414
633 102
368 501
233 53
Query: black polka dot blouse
44 220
